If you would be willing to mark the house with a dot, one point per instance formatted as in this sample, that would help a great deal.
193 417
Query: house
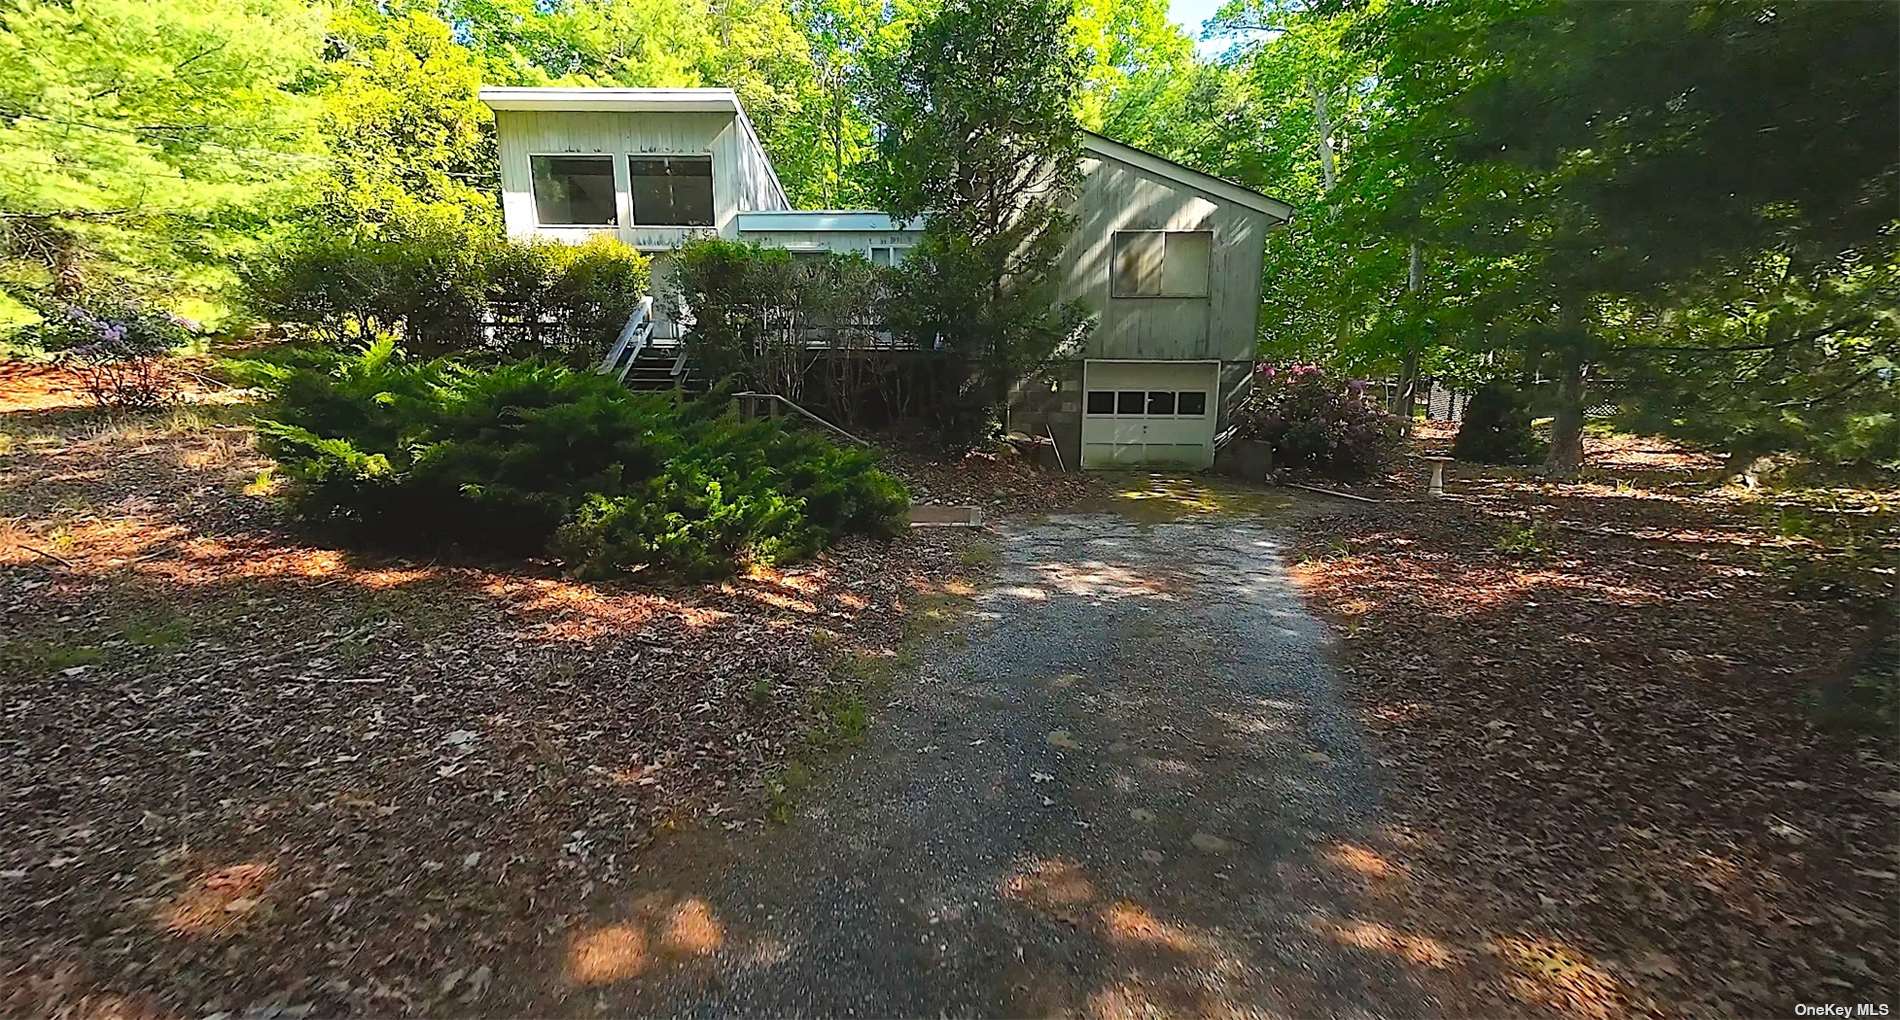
1167 259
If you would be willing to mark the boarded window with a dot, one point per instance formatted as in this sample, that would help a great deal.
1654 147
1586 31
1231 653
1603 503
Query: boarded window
671 191
1161 263
573 191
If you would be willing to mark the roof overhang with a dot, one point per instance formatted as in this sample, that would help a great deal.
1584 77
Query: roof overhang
869 220
623 100
1206 184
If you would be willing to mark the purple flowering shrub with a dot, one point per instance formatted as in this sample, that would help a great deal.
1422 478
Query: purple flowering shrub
114 345
1316 421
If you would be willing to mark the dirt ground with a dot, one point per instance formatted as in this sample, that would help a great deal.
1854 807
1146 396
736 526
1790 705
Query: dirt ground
245 770
242 769
1613 785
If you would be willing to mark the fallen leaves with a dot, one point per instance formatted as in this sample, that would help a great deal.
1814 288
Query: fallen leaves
373 784
1605 785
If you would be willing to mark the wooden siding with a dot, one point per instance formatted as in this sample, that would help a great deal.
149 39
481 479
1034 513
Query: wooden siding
742 180
1223 326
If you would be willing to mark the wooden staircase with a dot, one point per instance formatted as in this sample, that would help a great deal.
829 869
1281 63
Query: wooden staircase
643 362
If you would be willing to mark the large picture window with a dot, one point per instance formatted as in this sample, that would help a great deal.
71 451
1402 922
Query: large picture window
671 191
1161 263
573 191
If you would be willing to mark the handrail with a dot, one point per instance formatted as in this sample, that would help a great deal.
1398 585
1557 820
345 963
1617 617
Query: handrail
642 315
640 341
773 396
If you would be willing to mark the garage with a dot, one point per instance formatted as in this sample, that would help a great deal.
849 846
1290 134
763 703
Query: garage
1139 414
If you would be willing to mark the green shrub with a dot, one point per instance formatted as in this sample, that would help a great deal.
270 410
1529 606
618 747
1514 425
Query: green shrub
1497 428
531 457
755 310
445 287
113 343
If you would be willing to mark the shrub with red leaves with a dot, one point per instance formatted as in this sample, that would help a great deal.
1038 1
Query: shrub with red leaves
1316 421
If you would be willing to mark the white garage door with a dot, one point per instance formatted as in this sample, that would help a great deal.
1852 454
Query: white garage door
1148 413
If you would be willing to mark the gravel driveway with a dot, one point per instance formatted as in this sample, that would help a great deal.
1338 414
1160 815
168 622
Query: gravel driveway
1130 787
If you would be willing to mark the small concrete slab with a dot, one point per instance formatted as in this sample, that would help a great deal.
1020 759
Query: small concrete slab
937 515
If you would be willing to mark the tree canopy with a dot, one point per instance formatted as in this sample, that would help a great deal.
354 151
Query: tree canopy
1685 209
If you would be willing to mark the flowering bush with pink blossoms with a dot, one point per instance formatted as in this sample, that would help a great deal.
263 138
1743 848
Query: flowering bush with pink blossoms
1316 421
114 345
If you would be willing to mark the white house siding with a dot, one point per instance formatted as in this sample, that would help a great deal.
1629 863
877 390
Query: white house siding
742 179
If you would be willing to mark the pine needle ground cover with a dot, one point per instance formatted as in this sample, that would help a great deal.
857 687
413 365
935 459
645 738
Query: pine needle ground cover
1637 760
242 763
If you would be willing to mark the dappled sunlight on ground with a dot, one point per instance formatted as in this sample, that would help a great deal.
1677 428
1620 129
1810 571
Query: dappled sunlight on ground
1608 791
1160 497
219 902
1417 950
455 748
661 931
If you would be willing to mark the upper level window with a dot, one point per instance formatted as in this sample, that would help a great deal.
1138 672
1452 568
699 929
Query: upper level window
889 254
1161 263
671 191
573 191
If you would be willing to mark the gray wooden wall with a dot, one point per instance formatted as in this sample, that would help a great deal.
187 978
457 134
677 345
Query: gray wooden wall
1224 325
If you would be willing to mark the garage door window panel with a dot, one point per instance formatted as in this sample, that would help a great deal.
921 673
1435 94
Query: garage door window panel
1161 402
1130 401
1190 403
1101 401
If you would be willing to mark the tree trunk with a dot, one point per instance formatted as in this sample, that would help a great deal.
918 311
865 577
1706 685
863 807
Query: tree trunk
1566 430
1323 124
1406 400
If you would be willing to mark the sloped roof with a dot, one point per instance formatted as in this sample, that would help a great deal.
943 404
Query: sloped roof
628 100
583 100
1207 184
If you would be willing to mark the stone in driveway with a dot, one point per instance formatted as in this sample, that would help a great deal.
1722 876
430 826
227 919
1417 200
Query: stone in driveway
1013 872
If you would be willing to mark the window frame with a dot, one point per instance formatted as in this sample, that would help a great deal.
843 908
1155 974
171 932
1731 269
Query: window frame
712 190
534 201
1114 258
892 256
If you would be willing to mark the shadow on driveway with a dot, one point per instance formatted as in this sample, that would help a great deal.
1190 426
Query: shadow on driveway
1130 786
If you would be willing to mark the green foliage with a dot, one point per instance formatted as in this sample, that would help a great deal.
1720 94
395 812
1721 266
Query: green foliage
981 132
1497 428
1531 540
433 282
1316 422
142 142
113 342
530 457
754 310
406 132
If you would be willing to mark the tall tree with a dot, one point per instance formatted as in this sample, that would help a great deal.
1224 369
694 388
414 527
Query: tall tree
405 128
980 131
1618 155
142 143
